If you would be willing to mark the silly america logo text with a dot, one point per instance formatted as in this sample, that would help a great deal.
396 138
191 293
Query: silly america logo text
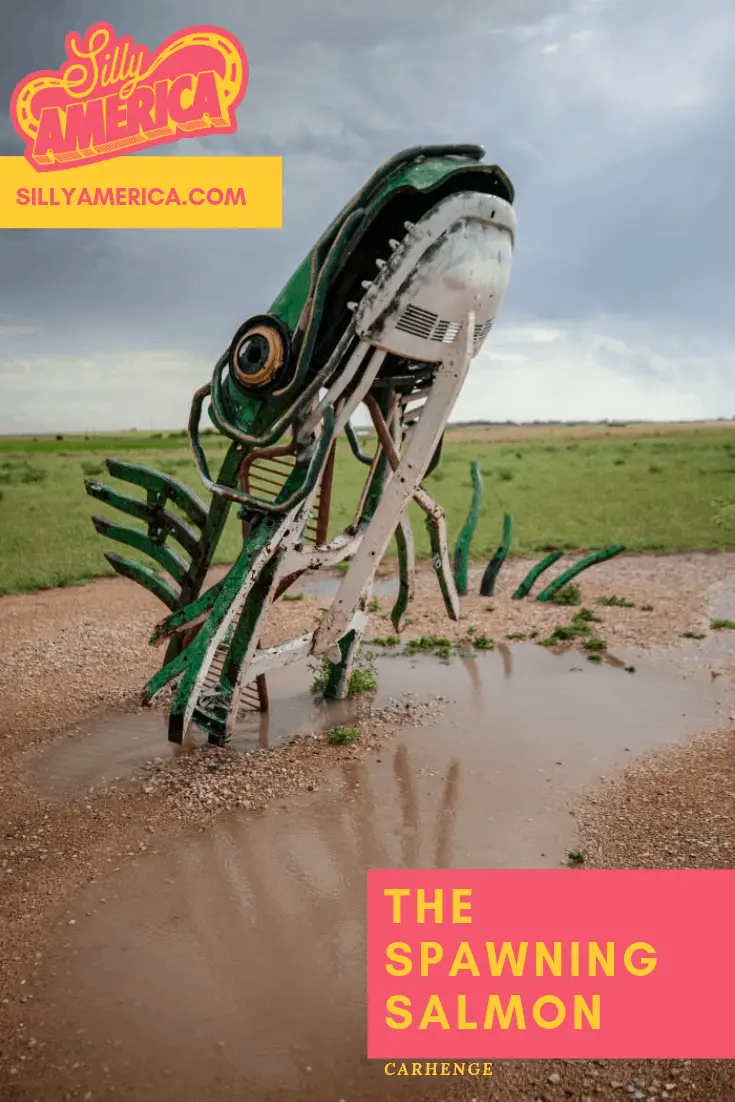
112 96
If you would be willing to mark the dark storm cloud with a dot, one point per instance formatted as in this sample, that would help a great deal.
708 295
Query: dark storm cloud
335 89
612 118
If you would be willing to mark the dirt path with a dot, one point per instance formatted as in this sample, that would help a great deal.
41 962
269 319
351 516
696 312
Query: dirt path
85 863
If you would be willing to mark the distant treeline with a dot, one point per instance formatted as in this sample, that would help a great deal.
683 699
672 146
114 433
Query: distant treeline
182 433
569 424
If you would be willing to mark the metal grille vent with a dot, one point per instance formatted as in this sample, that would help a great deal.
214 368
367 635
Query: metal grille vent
210 695
445 331
417 322
267 477
427 326
430 327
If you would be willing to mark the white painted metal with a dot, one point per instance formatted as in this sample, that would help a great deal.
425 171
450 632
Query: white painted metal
284 654
319 558
345 376
273 658
399 490
350 405
455 259
366 381
437 520
358 622
404 522
346 663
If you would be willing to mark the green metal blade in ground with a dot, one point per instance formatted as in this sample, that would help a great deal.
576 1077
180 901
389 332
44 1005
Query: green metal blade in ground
490 577
535 572
462 548
583 564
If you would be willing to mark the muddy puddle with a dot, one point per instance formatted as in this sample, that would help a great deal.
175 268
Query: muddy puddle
111 746
232 967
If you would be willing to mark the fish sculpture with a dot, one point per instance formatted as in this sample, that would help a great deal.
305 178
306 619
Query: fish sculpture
386 312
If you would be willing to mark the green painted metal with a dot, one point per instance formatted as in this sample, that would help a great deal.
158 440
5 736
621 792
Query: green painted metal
583 564
355 446
490 577
133 537
187 615
380 474
398 612
186 664
160 522
535 572
464 540
420 169
143 575
239 640
338 678
266 391
161 485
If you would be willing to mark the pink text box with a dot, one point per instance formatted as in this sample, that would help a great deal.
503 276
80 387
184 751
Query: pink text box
678 1009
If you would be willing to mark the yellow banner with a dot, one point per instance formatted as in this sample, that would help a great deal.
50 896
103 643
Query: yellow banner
144 193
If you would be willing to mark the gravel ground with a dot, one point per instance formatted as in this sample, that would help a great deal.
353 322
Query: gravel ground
67 653
672 810
197 787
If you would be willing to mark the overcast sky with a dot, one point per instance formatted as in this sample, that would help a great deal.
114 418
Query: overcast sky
614 118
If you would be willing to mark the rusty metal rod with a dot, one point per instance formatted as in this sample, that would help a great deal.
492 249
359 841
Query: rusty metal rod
325 496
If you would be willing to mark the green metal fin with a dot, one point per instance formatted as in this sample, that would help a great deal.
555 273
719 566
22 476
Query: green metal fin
144 576
462 548
160 521
172 563
155 482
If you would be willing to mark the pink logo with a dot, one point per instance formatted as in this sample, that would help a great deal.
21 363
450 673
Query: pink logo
112 96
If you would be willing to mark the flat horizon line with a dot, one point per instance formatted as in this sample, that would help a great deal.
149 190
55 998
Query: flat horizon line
477 423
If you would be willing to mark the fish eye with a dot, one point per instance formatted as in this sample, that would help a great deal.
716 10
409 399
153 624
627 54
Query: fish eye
258 353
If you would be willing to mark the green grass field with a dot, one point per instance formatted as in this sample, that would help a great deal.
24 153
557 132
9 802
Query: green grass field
653 488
